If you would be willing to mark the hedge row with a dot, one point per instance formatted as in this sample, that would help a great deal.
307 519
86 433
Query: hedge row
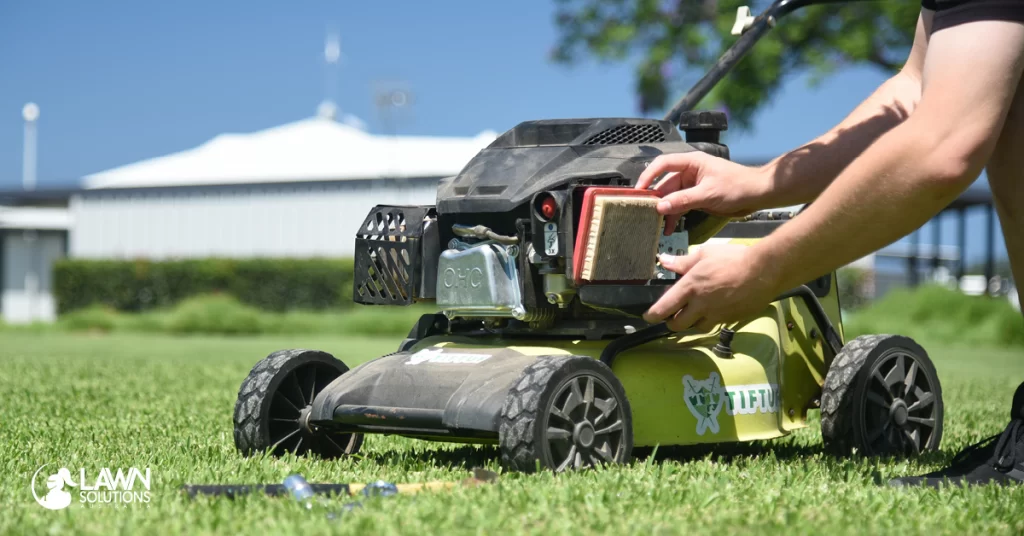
139 285
224 315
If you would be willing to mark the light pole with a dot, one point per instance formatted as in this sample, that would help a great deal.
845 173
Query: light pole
28 173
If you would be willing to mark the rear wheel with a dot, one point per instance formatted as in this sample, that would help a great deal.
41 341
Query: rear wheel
565 412
882 398
274 402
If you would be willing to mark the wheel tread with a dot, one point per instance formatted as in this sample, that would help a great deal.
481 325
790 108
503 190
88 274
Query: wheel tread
521 410
526 403
253 393
837 415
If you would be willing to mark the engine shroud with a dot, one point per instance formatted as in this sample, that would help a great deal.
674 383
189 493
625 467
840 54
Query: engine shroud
509 260
535 156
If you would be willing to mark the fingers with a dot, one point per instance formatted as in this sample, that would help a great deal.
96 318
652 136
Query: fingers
679 294
684 164
692 317
674 299
671 220
705 324
686 200
679 264
686 318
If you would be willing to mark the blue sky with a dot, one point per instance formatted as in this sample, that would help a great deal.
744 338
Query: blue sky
123 81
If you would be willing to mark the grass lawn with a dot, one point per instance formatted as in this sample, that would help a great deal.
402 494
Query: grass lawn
166 403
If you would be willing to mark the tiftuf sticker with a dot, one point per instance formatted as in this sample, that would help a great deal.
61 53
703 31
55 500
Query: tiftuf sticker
706 398
754 398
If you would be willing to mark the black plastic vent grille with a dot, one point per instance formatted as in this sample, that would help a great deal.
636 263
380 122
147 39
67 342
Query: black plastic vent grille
387 255
628 134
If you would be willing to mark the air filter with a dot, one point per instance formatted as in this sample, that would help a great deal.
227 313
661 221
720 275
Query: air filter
618 235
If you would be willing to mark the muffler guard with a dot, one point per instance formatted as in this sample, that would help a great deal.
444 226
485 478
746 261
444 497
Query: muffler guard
434 391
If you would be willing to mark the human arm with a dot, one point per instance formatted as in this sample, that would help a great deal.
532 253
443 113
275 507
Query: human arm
914 171
700 181
970 75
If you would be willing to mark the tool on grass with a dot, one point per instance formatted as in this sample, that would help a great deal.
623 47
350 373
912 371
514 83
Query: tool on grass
379 488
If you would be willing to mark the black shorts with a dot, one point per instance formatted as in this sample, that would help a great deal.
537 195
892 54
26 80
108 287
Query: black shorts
952 12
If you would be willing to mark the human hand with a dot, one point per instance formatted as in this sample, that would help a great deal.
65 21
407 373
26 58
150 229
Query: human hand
699 181
717 284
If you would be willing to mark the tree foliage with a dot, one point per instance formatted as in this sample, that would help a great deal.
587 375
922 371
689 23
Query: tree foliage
673 42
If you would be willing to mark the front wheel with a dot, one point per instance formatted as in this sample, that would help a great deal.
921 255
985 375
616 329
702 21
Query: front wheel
565 412
274 403
882 398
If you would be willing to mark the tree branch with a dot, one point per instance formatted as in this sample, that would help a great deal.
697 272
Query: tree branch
877 58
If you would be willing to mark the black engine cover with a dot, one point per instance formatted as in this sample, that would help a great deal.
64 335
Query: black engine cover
542 155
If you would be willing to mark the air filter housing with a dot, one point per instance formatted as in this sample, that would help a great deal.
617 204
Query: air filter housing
617 238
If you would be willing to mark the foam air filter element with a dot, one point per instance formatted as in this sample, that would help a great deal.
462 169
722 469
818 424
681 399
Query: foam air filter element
618 233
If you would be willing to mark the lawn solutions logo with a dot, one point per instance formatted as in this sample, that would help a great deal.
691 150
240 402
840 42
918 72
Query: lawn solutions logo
110 489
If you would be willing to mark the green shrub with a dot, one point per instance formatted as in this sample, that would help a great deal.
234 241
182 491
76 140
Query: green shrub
222 314
38 326
217 314
852 283
383 320
268 284
362 320
282 284
93 318
941 315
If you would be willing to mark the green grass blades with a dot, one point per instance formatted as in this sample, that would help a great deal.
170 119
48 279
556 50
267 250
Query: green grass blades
131 400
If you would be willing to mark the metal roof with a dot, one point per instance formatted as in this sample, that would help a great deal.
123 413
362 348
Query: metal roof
312 149
35 218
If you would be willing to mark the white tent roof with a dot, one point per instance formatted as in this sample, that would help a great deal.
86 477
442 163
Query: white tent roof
308 150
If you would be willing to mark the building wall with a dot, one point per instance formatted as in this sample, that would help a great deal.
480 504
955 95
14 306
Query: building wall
289 220
26 265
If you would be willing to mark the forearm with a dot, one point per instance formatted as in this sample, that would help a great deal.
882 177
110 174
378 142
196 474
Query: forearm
799 176
917 168
896 186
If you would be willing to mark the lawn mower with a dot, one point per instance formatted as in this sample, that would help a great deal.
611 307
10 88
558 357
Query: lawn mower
540 256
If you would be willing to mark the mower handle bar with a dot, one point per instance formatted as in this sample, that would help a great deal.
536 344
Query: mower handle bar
752 30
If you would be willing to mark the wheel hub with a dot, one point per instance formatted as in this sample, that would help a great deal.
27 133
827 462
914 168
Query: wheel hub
585 424
902 409
304 414
898 412
583 434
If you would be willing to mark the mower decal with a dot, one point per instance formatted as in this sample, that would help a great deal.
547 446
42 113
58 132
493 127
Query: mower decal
750 399
438 355
705 398
550 239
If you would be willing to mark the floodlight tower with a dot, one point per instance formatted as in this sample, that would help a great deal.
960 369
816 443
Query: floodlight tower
28 172
332 53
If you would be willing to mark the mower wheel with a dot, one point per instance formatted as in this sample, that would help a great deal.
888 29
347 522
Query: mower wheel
565 412
274 401
881 398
